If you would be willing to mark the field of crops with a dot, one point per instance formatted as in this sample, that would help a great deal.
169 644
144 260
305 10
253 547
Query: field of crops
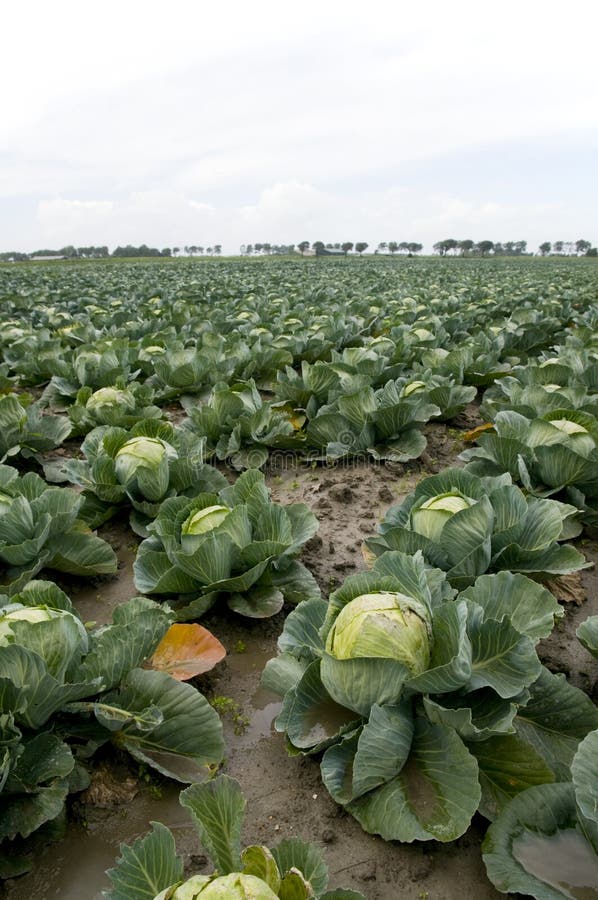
312 541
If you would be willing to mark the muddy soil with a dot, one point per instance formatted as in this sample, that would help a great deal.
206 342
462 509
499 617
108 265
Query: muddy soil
285 796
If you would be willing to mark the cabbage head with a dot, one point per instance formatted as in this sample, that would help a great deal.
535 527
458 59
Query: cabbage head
431 517
384 625
142 464
232 887
111 398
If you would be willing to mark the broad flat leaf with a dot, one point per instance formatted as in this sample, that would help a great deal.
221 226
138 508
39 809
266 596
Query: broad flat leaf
558 465
282 673
124 645
536 847
189 739
210 562
378 754
408 446
301 629
259 861
450 663
57 641
502 658
294 887
293 853
218 810
359 683
45 758
155 574
41 695
530 608
145 868
44 593
584 772
410 542
433 798
260 602
588 634
556 718
82 554
466 540
22 814
186 651
475 715
296 582
507 766
553 560
304 525
314 716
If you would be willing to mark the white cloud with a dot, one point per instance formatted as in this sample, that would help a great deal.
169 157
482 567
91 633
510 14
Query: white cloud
182 116
288 213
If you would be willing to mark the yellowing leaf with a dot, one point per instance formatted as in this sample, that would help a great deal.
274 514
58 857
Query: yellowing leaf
186 651
470 436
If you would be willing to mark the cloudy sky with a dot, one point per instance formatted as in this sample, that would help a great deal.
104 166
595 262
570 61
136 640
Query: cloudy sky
192 123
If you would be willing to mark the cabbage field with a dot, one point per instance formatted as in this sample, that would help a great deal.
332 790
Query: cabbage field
297 564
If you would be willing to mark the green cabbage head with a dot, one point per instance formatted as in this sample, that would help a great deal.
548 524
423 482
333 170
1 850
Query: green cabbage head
430 518
111 398
205 520
36 615
382 624
226 887
141 464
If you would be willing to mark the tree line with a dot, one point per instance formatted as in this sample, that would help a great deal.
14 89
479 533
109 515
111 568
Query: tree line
446 247
127 252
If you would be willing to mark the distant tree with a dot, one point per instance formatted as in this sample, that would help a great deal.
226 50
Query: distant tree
361 246
318 246
303 246
582 246
545 248
466 246
217 249
393 247
558 247
166 251
337 246
346 247
382 247
14 256
593 251
414 248
499 250
520 247
484 247
209 251
176 251
404 247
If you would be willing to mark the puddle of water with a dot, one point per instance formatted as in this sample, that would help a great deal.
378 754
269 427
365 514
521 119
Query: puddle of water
563 860
97 603
74 868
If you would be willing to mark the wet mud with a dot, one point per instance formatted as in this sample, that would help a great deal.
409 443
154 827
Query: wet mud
285 795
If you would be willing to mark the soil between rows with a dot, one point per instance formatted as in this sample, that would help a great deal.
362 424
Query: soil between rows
285 795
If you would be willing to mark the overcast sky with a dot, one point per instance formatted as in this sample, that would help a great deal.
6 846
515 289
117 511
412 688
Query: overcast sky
189 123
